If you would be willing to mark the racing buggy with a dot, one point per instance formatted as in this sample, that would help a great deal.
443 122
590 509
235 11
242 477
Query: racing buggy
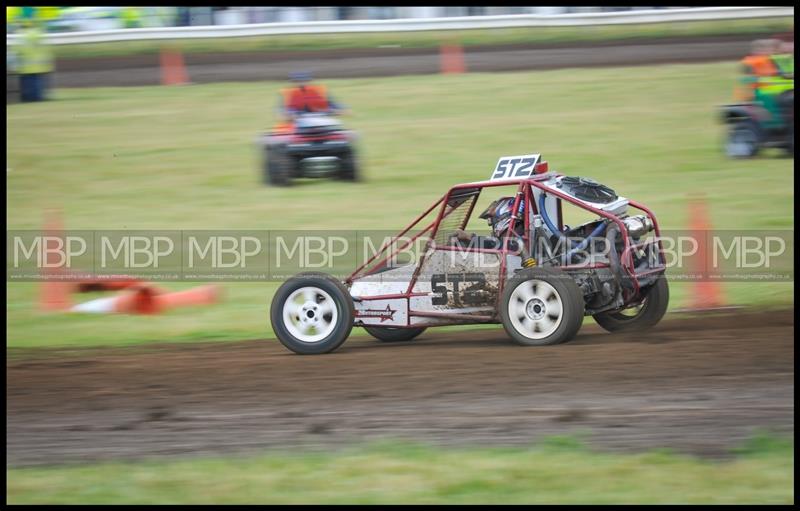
539 281
312 145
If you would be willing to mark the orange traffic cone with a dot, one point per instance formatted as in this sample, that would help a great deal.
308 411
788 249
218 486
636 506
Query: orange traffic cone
149 299
139 300
707 293
452 59
111 284
201 295
173 70
54 291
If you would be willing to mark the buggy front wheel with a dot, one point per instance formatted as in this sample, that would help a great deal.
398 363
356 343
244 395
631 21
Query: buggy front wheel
312 313
541 306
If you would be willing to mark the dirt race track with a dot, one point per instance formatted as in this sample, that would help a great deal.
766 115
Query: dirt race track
254 66
698 385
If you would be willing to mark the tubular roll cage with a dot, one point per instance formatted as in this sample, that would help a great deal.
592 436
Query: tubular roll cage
524 189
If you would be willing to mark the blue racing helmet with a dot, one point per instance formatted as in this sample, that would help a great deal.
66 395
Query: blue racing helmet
498 214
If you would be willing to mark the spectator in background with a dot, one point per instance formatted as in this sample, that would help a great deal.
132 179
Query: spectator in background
344 13
12 15
183 17
47 14
34 60
131 17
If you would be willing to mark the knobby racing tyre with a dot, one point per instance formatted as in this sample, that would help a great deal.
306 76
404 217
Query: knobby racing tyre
312 313
644 316
389 334
277 168
743 140
350 170
541 306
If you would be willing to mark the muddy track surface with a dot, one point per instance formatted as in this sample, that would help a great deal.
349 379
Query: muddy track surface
254 66
698 385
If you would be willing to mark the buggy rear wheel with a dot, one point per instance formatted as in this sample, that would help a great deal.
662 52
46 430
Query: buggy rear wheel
312 313
389 334
642 317
541 306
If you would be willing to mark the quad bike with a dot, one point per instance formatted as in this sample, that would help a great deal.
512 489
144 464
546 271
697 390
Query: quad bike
311 145
759 124
539 282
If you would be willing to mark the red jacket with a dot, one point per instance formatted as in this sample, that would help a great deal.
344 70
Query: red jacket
309 97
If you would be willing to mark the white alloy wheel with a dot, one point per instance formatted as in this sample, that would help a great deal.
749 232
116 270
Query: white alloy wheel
535 309
310 314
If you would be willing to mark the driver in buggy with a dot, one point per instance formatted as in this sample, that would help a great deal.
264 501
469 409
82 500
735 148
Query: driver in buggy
498 215
305 97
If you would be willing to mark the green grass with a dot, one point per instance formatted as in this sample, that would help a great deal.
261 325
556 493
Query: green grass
427 39
184 158
557 471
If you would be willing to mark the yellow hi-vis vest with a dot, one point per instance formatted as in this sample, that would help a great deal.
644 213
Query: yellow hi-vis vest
48 13
35 55
12 13
130 17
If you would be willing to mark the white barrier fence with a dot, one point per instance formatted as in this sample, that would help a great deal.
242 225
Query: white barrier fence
402 25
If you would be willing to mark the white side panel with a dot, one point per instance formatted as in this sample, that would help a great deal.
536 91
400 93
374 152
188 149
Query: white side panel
385 283
457 280
450 282
393 312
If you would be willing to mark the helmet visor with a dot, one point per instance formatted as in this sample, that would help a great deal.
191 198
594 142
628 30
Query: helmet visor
489 211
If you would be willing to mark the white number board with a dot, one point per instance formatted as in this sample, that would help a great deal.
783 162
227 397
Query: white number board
513 167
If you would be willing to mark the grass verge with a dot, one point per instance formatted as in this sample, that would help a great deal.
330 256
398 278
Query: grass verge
556 471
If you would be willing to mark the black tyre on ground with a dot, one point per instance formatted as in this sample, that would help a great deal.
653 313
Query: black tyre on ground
640 318
744 140
389 334
277 168
541 306
349 170
312 313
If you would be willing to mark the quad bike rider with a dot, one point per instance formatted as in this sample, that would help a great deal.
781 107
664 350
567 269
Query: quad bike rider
305 97
764 117
309 141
